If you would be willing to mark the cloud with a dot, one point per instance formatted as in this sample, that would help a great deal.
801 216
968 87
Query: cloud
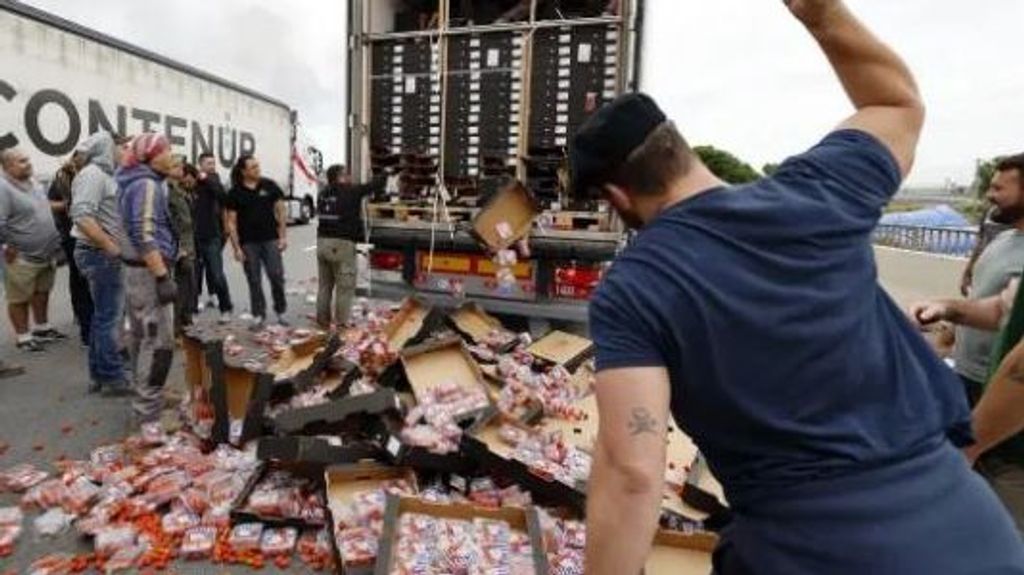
744 76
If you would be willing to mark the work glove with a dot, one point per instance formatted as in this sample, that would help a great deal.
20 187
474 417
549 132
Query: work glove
166 290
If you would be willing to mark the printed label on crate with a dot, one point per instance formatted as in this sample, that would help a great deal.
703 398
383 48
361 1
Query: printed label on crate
584 53
493 58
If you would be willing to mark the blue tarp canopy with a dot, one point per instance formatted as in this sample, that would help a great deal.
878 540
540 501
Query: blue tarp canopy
938 217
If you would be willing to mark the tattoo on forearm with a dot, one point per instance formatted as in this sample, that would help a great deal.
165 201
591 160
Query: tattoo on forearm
643 422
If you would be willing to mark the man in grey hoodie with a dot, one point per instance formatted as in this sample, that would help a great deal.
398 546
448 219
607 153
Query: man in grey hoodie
100 242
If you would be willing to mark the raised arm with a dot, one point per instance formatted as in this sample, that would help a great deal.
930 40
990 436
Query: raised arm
878 82
627 479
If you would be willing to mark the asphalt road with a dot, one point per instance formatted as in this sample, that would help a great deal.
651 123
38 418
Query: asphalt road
52 395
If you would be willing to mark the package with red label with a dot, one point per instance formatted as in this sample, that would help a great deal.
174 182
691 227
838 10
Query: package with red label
57 564
79 496
198 542
11 516
52 523
246 537
178 521
21 478
219 516
195 500
113 539
45 495
357 546
314 548
9 535
107 456
124 559
277 542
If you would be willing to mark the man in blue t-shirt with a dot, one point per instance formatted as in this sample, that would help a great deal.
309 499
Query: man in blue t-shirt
753 314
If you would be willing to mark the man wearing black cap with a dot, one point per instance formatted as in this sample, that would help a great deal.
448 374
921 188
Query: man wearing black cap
753 314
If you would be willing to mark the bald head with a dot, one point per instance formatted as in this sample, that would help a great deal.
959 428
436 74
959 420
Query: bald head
16 164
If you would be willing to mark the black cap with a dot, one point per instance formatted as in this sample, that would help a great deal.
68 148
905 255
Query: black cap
607 139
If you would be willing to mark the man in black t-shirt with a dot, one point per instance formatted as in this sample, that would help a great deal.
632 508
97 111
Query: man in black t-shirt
209 210
256 220
340 229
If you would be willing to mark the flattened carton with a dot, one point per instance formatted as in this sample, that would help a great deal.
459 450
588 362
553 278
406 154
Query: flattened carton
519 519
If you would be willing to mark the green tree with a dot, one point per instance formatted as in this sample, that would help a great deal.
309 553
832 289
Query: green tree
983 174
727 166
770 169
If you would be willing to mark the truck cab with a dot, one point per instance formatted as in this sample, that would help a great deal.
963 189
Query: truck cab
307 168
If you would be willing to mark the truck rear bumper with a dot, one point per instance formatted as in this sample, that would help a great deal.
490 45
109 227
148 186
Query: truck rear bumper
550 310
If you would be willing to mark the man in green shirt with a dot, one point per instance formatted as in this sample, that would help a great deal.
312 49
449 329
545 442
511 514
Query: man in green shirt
182 182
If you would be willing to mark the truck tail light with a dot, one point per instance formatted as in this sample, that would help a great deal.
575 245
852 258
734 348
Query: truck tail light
390 261
577 281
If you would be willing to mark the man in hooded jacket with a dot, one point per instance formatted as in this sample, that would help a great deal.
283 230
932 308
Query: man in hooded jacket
100 238
148 258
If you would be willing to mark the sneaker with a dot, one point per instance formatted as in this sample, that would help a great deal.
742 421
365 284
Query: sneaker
225 318
31 346
200 307
46 335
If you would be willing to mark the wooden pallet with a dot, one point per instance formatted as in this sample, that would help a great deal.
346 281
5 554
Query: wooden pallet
581 221
407 213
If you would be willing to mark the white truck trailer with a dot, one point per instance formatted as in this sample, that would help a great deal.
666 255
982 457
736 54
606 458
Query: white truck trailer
60 82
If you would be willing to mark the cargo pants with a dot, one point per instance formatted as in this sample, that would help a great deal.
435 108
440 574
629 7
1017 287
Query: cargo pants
150 341
336 266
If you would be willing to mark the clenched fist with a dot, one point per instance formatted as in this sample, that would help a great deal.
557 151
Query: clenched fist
814 13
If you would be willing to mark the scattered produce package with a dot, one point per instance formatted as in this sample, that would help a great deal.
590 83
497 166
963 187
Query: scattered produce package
158 497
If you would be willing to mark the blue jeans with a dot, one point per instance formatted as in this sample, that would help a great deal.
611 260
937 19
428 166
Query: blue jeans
211 262
257 257
106 285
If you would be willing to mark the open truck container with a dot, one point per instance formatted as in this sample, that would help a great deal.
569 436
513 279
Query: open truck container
460 101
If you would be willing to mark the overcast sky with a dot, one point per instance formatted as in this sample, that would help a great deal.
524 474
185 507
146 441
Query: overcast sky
738 74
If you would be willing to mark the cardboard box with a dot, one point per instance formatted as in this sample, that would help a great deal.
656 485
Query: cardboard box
483 444
506 218
239 513
561 348
386 432
294 382
342 374
414 322
240 398
521 520
342 483
699 501
681 554
476 325
316 450
346 414
432 364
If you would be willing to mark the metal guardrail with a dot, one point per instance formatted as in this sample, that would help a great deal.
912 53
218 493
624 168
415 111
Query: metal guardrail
945 241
